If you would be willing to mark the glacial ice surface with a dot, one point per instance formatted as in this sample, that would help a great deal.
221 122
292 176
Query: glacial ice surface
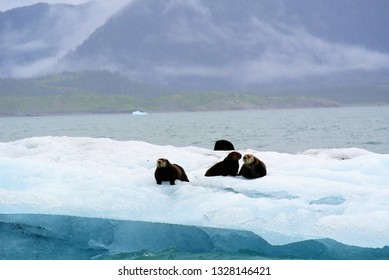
37 236
322 194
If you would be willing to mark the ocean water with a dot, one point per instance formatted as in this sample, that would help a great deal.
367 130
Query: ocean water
286 130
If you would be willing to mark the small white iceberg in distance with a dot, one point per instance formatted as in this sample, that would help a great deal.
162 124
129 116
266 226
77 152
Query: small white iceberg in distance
139 113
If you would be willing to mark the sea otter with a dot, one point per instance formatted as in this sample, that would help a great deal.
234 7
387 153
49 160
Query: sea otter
252 167
170 172
229 166
223 145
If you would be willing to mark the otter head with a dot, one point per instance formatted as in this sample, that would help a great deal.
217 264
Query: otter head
234 156
248 159
162 162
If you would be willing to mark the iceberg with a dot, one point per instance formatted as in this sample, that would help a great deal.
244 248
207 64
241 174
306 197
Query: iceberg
37 236
139 113
323 202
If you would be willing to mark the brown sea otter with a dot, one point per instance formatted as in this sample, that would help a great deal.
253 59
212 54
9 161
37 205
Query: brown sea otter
170 172
223 145
229 166
252 167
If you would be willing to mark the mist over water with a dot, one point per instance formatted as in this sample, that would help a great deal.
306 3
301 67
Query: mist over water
291 131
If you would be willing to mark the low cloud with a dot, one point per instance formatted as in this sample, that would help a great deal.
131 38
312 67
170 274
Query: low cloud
291 53
65 29
248 52
269 52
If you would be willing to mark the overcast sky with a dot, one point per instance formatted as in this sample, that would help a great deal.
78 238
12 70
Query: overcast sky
9 4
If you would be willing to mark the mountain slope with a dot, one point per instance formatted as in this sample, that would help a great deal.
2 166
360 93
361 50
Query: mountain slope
34 38
329 53
222 45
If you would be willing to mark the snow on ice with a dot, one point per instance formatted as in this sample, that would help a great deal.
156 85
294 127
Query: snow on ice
340 194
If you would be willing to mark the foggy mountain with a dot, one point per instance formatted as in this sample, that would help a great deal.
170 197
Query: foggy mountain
199 44
240 44
33 38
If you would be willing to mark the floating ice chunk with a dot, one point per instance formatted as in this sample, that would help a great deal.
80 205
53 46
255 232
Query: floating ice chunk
303 196
65 237
139 113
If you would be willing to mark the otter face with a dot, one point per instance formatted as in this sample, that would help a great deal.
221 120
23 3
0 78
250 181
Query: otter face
162 162
235 156
248 159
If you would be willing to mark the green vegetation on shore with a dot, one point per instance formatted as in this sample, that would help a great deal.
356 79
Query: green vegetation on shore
106 92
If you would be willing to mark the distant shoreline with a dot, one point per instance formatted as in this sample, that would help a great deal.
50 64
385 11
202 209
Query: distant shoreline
113 112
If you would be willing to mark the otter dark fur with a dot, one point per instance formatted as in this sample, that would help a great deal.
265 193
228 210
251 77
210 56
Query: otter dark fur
223 145
252 167
170 172
229 166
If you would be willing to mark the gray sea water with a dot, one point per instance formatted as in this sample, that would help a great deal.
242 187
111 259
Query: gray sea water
284 130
